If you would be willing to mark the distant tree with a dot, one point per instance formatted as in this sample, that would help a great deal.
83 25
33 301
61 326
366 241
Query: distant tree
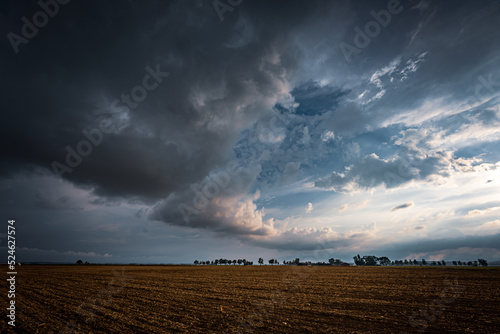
384 260
406 261
454 263
79 262
261 261
424 262
469 263
483 262
358 260
196 262
87 262
459 263
415 262
370 260
443 262
297 260
475 263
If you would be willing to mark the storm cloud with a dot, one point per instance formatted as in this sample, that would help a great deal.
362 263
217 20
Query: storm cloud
127 118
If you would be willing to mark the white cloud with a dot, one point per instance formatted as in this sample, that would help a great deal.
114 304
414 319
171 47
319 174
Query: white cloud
327 136
306 137
309 208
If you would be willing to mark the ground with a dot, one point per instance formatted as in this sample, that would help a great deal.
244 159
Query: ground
254 299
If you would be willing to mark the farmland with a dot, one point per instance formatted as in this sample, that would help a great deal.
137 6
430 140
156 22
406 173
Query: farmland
254 299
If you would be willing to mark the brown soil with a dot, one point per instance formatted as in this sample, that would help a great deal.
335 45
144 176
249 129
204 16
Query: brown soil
253 299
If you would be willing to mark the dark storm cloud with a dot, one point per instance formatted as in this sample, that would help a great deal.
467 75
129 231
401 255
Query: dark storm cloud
169 140
61 203
91 53
217 203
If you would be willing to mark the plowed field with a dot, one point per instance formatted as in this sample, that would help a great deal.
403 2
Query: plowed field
253 299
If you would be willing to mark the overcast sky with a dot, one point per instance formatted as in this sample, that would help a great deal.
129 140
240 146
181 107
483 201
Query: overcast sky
170 131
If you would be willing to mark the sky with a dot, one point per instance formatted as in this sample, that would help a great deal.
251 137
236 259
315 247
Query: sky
174 131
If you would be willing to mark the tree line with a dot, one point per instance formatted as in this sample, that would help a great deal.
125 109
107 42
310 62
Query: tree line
261 261
367 260
372 260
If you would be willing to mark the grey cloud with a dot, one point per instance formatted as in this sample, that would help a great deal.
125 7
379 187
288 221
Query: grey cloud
310 239
219 203
372 171
478 206
402 206
291 171
436 245
62 203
